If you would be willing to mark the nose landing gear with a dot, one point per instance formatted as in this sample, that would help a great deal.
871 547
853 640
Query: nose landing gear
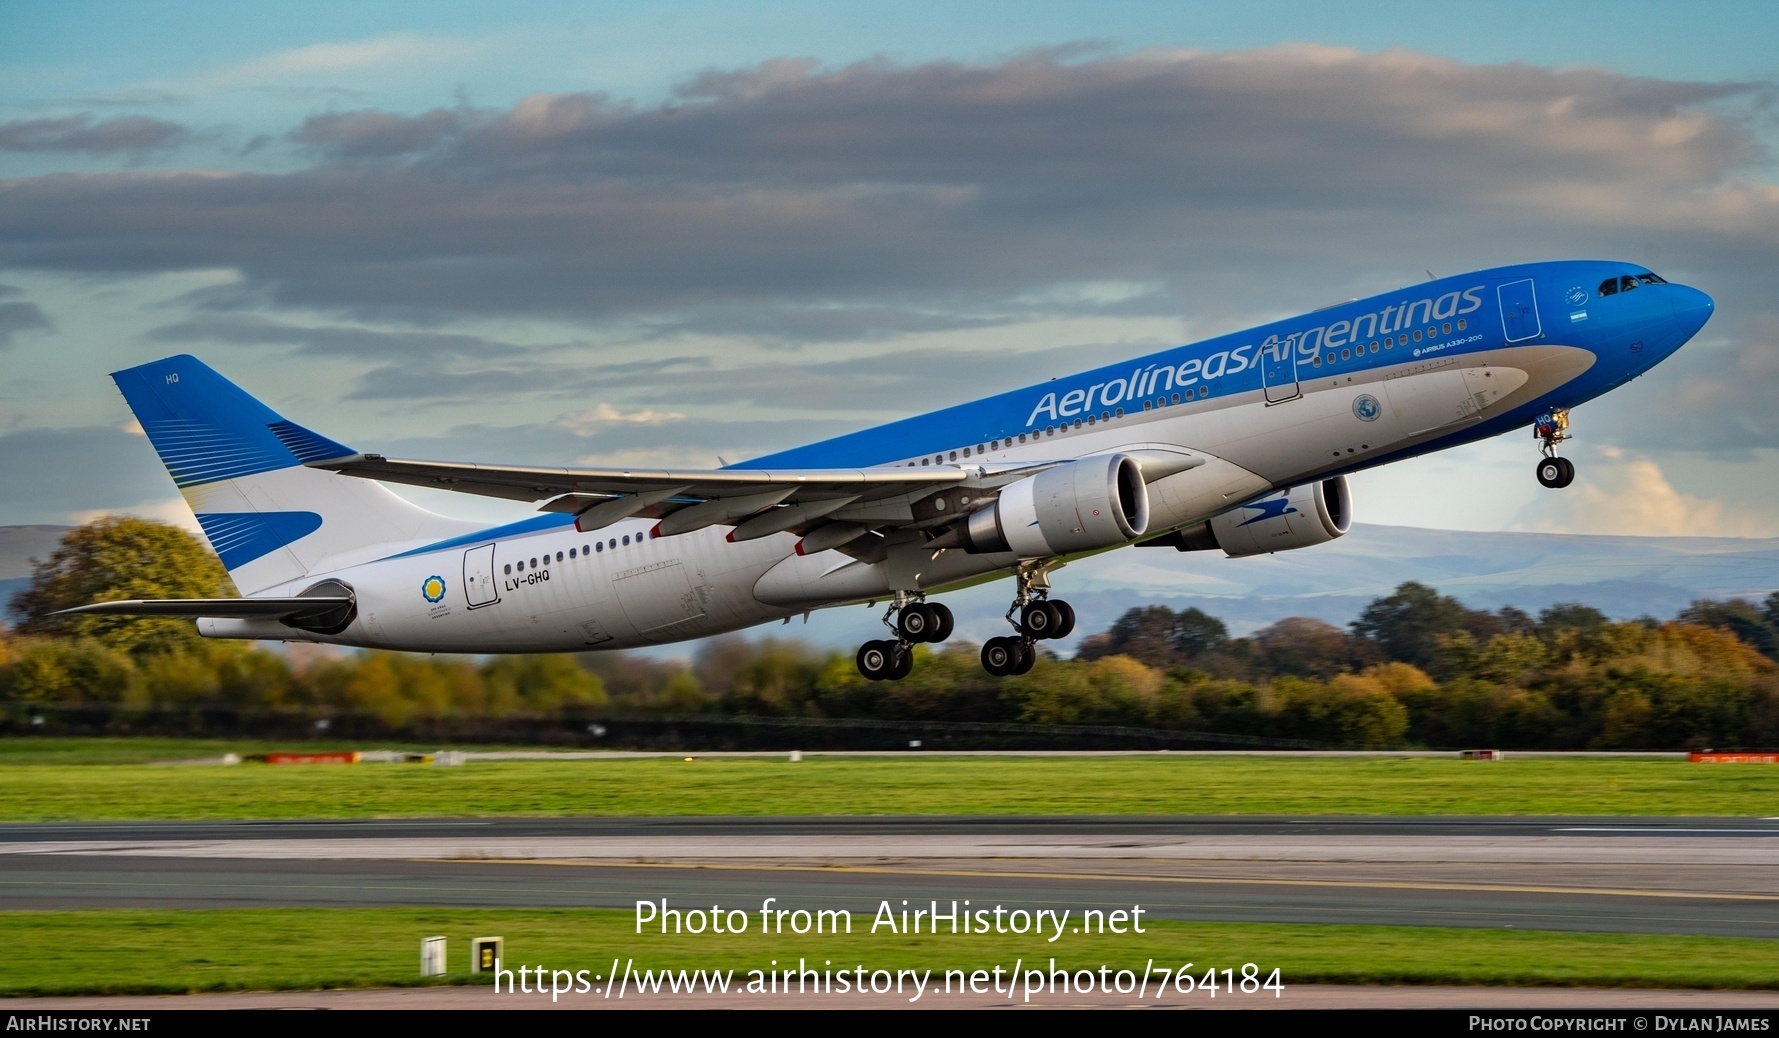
1552 428
915 621
1040 617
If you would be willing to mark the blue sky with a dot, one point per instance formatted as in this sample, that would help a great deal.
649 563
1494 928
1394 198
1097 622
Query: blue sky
472 230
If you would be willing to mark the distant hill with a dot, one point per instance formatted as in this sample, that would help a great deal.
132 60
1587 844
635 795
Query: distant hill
1624 577
18 546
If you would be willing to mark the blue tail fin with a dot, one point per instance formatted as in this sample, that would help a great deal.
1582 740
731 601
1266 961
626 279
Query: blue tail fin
239 465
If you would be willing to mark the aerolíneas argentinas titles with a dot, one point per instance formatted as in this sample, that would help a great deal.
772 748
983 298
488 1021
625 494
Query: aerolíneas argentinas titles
1239 444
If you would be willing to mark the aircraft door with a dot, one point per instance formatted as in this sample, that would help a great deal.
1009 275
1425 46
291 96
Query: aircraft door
479 587
1519 311
1279 373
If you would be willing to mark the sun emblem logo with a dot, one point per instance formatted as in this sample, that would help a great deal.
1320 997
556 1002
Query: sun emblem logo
1366 408
433 588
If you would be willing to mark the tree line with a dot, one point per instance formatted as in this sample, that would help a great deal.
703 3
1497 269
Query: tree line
1415 668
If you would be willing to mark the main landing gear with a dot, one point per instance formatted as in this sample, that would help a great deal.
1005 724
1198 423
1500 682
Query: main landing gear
1040 617
915 621
1552 428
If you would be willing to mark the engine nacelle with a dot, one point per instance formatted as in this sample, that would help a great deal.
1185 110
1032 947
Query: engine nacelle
1297 518
1095 502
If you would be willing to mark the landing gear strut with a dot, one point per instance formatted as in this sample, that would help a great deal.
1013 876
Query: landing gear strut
1040 617
1552 428
915 620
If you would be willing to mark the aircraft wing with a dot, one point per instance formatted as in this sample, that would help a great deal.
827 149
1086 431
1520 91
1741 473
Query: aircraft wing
689 499
221 608
829 506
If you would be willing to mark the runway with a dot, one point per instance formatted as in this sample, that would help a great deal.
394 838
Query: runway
1626 875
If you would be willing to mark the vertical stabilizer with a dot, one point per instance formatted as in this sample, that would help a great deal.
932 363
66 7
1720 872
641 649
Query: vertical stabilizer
239 465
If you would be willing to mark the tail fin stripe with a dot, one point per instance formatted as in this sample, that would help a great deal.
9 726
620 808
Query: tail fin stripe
196 452
241 537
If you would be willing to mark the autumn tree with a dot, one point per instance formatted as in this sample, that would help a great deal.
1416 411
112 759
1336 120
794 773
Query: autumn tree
115 558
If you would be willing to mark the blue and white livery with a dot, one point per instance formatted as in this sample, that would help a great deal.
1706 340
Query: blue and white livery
1240 443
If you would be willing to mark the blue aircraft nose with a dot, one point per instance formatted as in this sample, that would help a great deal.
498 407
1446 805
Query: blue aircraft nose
1692 308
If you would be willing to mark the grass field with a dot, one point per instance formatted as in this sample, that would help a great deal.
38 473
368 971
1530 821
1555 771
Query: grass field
49 782
121 951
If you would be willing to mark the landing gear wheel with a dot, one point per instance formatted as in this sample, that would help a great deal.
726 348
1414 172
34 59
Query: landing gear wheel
1556 473
904 664
1039 620
1000 656
917 622
1028 656
1067 613
876 660
946 622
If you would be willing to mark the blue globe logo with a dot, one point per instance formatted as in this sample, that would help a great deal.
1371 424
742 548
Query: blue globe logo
1366 408
433 588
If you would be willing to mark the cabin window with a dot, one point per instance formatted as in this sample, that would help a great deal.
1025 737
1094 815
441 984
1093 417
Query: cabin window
1417 335
614 544
626 538
1446 328
558 556
1106 416
585 551
533 563
1077 423
1374 345
1121 412
1346 354
1148 405
966 452
509 569
954 455
924 461
1090 420
571 553
1176 398
1389 342
1318 361
1463 324
598 545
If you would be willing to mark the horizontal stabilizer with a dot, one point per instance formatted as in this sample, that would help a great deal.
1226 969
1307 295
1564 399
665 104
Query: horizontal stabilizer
223 608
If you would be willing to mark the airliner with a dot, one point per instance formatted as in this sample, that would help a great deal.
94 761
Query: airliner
1239 444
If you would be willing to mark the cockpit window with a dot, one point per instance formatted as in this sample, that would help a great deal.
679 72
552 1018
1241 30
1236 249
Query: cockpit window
1609 287
1626 283
1651 279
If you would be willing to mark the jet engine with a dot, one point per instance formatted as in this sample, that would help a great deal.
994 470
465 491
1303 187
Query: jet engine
1095 502
1314 513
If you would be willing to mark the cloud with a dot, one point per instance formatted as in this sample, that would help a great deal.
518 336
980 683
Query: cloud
326 340
602 416
1630 495
377 134
333 58
54 473
173 511
78 133
865 200
18 317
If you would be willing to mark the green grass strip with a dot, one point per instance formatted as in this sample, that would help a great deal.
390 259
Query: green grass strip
913 785
119 951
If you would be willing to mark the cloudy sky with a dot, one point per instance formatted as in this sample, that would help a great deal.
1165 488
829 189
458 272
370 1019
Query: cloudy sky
543 232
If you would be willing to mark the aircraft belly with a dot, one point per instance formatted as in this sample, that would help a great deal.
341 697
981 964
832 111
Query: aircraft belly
831 578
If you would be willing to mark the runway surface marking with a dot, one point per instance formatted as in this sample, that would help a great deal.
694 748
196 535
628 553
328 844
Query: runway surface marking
1681 851
1114 877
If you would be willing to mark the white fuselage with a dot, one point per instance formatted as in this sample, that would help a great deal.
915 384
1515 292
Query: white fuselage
561 590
